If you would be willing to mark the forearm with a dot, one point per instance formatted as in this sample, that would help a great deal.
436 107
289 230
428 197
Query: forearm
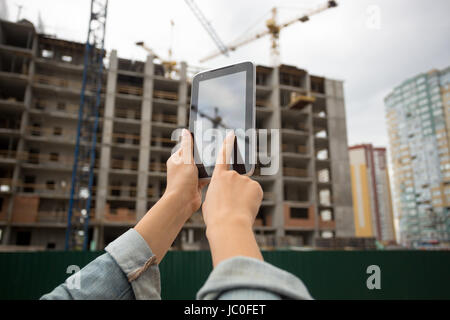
227 241
160 226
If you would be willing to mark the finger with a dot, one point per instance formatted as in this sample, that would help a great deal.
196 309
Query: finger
186 146
202 184
224 156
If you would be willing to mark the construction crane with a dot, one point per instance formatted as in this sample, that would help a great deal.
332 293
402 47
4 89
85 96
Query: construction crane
207 25
273 29
168 64
77 232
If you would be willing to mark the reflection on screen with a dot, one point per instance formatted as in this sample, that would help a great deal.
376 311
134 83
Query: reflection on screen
221 105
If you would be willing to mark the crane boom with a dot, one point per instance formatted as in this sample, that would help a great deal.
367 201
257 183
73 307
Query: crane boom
207 26
273 29
305 17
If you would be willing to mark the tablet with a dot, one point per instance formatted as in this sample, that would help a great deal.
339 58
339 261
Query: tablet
223 99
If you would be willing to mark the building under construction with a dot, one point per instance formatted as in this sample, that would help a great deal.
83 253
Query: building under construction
40 81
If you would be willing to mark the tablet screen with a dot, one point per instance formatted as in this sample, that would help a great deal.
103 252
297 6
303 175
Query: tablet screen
221 106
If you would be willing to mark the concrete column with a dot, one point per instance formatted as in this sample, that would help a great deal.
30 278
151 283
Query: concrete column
312 166
275 123
145 139
340 164
28 100
182 97
105 152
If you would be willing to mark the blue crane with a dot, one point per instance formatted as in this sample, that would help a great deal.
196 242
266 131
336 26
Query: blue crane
81 191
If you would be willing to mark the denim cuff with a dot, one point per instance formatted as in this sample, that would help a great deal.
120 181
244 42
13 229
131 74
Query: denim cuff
243 275
133 255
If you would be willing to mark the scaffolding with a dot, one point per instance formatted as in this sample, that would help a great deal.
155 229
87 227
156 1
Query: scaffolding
77 232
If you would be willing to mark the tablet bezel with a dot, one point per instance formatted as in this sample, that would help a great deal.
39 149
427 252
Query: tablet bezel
250 91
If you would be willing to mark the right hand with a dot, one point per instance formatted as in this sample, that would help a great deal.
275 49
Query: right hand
232 200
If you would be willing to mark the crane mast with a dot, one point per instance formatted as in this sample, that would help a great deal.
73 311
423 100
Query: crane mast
81 190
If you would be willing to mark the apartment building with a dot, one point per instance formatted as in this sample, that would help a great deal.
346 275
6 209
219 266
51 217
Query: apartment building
418 115
372 205
40 80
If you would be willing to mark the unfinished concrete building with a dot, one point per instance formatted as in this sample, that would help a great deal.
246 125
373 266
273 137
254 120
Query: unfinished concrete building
40 81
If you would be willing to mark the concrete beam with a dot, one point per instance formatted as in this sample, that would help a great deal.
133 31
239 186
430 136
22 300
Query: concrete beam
145 139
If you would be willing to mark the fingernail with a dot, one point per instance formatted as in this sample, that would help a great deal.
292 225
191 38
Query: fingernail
185 132
230 134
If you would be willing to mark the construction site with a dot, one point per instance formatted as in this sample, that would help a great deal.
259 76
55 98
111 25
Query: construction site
138 106
141 104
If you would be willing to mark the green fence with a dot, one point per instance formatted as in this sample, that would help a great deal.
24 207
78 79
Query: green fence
327 274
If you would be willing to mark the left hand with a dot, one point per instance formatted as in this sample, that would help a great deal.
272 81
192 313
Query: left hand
183 185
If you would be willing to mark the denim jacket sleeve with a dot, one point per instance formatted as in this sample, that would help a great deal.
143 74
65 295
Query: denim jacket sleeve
128 270
245 278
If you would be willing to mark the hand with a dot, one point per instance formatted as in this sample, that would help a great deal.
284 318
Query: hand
183 185
162 223
231 198
229 211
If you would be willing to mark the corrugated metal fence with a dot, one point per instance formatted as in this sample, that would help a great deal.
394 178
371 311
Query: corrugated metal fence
327 274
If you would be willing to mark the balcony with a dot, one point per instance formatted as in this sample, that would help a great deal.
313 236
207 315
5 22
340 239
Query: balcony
55 135
119 214
129 90
8 156
122 139
127 113
165 118
157 166
299 217
295 172
118 163
117 191
165 95
66 83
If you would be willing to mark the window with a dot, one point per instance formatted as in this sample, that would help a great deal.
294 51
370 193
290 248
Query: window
120 137
50 184
325 215
33 156
51 245
36 129
117 162
29 182
61 105
132 192
66 58
327 234
23 238
116 188
299 213
40 105
57 131
47 54
54 156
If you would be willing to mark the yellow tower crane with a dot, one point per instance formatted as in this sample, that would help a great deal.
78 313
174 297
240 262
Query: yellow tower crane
169 64
273 29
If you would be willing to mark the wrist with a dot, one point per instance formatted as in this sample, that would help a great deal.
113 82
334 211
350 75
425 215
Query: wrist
176 204
229 227
232 240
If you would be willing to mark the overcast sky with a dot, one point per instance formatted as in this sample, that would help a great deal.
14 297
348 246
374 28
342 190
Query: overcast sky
348 42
